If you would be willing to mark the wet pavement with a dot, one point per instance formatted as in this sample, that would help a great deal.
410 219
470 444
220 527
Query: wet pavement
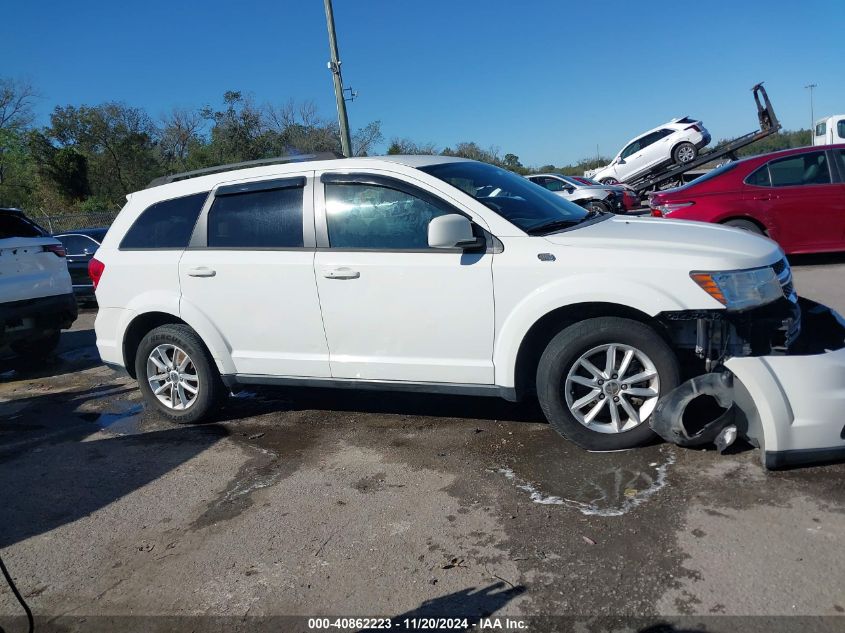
315 502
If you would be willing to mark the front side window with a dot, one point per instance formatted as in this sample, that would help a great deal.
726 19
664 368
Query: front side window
535 210
840 128
167 224
553 184
632 148
803 169
270 218
377 217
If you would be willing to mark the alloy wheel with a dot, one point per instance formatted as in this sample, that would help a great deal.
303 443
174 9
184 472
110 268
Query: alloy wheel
612 388
172 377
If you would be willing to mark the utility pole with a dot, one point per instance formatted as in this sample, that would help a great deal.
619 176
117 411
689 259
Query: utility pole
334 66
812 116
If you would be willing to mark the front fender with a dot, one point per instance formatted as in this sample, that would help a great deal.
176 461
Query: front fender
571 291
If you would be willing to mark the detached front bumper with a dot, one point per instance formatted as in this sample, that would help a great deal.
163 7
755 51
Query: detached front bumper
791 406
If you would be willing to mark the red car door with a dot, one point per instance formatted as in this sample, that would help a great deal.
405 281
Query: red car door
806 208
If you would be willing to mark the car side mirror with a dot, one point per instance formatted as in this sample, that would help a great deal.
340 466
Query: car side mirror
620 161
569 189
452 231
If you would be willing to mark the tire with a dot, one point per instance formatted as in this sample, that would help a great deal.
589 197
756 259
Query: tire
745 225
38 348
560 368
684 153
198 373
609 181
597 205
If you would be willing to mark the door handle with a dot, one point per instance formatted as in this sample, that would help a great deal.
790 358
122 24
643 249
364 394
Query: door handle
201 271
341 273
763 198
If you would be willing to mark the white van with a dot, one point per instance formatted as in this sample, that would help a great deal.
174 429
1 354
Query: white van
830 130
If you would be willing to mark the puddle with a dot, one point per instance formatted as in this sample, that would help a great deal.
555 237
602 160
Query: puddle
125 421
613 490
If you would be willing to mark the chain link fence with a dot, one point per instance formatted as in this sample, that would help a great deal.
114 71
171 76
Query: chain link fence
64 222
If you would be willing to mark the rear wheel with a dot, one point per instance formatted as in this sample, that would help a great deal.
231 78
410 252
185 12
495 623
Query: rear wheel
177 375
684 153
598 381
745 225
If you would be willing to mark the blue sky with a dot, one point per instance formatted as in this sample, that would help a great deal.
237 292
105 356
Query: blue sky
547 81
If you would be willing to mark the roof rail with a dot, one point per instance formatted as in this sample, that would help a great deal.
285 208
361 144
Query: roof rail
163 180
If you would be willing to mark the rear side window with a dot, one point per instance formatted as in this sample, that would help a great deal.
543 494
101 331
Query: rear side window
821 129
14 225
803 169
760 178
257 219
167 224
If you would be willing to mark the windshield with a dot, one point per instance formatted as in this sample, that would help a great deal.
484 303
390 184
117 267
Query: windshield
529 206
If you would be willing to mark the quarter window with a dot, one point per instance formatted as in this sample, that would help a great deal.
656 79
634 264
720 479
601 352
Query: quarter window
803 169
760 178
377 217
257 219
167 224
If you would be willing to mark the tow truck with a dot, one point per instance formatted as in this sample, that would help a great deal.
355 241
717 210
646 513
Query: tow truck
672 175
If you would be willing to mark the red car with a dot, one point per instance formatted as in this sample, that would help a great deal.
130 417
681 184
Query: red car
795 196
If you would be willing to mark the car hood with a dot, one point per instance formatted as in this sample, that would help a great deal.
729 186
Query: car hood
696 245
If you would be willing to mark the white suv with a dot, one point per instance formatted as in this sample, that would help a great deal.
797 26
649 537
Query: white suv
675 142
426 273
36 297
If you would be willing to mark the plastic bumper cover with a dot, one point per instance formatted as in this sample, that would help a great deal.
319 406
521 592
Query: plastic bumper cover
791 406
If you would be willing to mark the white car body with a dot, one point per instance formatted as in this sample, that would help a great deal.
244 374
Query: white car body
651 150
829 130
35 286
419 319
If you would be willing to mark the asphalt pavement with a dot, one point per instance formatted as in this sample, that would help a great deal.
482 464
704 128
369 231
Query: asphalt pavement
321 503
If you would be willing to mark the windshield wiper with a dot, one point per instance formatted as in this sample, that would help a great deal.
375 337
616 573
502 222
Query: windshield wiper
548 227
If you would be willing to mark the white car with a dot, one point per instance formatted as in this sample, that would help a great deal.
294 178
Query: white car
591 197
36 296
440 274
829 130
675 142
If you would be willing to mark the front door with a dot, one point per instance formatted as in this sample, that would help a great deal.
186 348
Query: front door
250 272
393 308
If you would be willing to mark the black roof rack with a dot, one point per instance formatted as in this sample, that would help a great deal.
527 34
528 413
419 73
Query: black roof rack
163 180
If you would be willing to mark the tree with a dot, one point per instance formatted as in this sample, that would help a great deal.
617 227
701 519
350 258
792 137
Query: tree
16 166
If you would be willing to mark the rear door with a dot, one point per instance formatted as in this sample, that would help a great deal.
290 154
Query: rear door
807 206
250 271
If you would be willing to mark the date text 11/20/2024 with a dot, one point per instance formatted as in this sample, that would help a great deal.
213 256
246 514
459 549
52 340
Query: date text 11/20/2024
418 624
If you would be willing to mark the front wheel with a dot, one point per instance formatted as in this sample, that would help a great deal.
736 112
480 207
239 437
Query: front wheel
598 381
745 225
597 206
177 375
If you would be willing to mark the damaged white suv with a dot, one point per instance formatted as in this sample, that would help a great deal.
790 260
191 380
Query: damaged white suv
431 273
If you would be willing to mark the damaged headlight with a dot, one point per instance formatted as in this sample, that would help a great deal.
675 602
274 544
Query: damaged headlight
741 289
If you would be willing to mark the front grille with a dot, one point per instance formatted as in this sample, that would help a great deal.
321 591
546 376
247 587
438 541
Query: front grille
784 273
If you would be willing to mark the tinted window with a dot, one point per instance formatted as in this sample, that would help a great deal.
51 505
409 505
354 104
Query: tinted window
553 184
803 169
821 129
760 178
77 244
372 216
840 128
14 225
257 219
633 147
166 224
